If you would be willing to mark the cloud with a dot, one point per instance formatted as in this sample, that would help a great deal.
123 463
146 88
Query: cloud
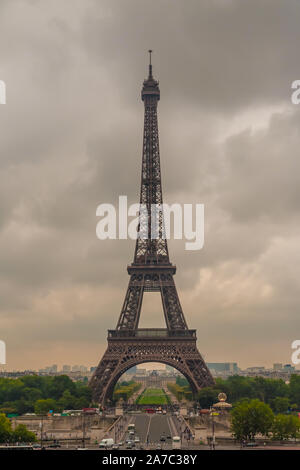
71 138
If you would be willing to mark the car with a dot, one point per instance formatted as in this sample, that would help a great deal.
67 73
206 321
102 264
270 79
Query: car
158 447
115 446
137 439
55 445
251 444
162 438
129 445
36 446
121 444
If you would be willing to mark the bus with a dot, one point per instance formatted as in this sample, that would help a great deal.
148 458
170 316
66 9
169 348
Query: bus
90 411
131 427
176 442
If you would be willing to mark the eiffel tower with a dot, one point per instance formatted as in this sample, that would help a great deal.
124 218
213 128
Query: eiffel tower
151 270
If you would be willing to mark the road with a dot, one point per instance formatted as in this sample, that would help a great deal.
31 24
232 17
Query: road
142 423
150 427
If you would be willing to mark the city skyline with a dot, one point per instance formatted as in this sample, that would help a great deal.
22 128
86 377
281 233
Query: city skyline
148 366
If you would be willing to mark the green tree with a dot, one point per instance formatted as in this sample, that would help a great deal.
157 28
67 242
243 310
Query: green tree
83 391
251 417
280 404
21 434
32 394
80 403
207 396
8 410
5 428
67 400
23 406
285 427
33 381
294 392
59 385
240 387
43 406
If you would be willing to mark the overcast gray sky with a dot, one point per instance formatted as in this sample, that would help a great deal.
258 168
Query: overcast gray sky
71 138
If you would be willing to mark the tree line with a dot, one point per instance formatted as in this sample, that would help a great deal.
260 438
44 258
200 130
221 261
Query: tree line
125 390
39 394
280 396
180 391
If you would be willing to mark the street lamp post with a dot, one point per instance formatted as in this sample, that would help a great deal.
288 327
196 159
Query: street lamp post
213 444
83 430
215 409
41 426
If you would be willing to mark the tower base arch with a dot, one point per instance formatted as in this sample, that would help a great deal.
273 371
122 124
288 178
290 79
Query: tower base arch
124 352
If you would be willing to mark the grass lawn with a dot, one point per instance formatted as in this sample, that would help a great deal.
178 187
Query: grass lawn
153 396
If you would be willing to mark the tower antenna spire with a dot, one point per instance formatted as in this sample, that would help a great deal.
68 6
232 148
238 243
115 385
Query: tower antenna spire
150 64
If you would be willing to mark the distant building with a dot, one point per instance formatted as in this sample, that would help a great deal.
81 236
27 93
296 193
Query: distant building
66 368
277 366
288 367
132 370
49 369
255 369
229 368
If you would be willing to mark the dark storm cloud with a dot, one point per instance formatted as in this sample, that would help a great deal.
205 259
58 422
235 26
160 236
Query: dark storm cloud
71 138
225 54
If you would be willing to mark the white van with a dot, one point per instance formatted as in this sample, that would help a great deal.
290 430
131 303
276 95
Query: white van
106 443
176 442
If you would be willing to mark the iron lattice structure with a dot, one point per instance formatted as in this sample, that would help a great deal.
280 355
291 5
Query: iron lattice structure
151 270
